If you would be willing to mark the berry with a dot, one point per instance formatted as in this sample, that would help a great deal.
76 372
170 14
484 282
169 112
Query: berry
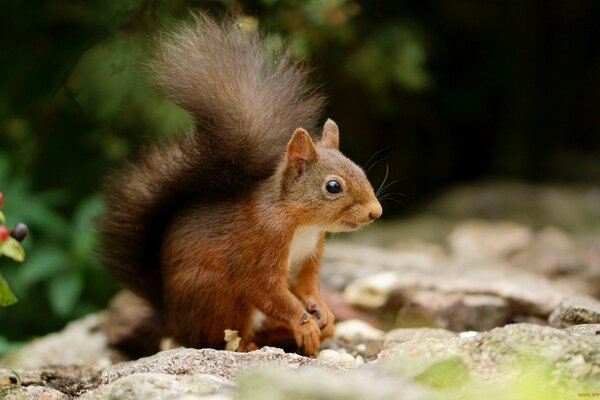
3 233
1 199
19 232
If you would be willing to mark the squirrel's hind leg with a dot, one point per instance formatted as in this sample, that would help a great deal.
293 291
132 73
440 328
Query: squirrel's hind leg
275 333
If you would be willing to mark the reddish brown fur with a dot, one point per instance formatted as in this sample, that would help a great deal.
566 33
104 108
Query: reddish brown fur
203 229
224 260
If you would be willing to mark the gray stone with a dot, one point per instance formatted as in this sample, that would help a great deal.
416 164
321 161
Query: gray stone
71 380
454 311
224 364
82 342
490 355
156 386
551 253
355 329
31 393
584 330
358 384
525 292
574 311
402 335
573 208
477 239
377 258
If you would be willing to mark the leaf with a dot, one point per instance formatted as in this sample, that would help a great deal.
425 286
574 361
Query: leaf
82 227
11 248
7 297
2 218
42 264
64 292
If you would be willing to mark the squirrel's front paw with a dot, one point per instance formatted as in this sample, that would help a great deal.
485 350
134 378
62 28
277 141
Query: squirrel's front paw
307 333
324 317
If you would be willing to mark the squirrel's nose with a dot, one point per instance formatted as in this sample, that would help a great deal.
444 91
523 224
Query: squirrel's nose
375 210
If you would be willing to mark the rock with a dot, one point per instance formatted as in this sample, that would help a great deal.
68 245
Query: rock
366 349
492 354
573 208
402 335
373 291
476 239
457 312
357 338
358 384
344 311
551 253
377 258
346 262
573 311
525 293
355 329
70 380
31 393
82 342
584 330
155 386
224 364
336 357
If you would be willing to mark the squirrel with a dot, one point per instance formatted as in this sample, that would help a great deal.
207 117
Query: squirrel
223 227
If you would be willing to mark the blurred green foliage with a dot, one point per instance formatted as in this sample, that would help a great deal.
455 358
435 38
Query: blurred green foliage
425 77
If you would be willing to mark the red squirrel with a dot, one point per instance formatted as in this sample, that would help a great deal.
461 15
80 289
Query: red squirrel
223 228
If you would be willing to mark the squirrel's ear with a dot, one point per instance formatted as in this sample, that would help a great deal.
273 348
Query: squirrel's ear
331 135
300 149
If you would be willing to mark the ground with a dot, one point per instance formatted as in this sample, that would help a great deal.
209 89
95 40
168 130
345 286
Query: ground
442 305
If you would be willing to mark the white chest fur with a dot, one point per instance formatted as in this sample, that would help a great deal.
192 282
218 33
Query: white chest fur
303 245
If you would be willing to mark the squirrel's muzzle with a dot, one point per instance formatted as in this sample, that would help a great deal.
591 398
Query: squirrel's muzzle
375 210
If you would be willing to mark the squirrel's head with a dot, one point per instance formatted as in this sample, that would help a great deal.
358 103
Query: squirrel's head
325 188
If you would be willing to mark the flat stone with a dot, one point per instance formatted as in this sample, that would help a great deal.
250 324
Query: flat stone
68 379
311 383
355 329
156 386
574 311
31 393
490 355
82 342
584 330
402 335
477 239
551 253
224 364
525 292
455 311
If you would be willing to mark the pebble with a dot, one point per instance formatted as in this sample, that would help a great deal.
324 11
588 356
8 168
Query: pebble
354 329
342 359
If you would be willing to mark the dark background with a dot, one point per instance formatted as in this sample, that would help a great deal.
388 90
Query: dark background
441 91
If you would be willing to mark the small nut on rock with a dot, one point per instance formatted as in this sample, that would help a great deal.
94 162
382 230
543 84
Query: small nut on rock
232 340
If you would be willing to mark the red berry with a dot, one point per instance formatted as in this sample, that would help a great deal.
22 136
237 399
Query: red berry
3 233
1 199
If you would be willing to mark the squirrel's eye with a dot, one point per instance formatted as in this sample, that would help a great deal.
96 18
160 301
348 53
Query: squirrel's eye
333 186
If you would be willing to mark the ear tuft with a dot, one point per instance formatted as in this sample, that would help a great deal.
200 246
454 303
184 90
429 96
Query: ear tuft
331 135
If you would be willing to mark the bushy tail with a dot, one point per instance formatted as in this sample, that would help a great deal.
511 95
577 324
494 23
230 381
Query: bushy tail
246 103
